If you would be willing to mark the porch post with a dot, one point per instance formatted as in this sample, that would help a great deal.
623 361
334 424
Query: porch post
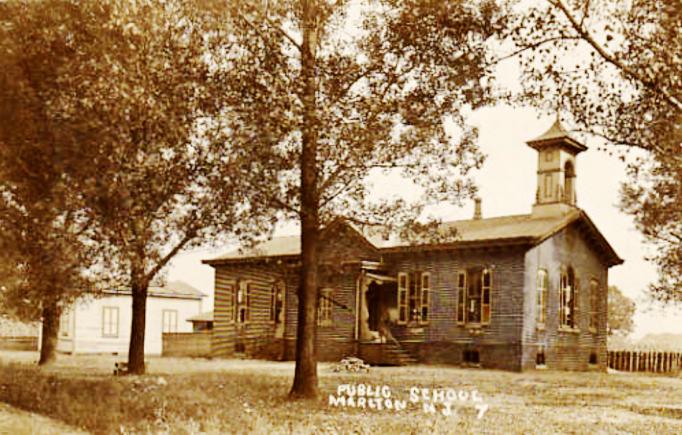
365 334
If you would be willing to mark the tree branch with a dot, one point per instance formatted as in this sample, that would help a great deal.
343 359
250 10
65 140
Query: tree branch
531 47
611 59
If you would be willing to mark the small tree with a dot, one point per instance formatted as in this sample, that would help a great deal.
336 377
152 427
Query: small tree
326 107
621 310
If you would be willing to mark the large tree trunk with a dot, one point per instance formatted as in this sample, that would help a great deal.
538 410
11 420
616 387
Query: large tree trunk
305 377
50 330
137 329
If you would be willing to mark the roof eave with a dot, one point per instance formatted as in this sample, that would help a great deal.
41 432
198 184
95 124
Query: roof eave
240 260
538 144
612 257
457 245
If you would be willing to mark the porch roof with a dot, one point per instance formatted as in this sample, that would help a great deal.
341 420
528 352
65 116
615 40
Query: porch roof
202 317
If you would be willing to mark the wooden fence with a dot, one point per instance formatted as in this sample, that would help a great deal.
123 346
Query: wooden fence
195 344
645 361
19 343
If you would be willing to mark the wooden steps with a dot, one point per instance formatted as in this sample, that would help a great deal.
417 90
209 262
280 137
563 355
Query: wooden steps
389 354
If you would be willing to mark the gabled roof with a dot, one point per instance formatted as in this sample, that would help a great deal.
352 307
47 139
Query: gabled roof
172 289
556 135
290 246
516 227
525 229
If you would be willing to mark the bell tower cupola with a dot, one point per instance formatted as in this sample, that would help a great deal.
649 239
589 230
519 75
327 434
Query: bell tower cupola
557 153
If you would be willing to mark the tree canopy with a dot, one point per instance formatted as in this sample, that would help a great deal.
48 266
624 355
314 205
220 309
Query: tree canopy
621 310
326 94
41 224
132 113
616 67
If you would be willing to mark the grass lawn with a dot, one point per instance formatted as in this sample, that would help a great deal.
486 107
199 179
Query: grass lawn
17 422
193 396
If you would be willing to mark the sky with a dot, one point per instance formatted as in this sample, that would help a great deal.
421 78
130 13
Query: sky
507 185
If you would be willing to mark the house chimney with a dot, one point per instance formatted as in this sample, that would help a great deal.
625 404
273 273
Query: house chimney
477 208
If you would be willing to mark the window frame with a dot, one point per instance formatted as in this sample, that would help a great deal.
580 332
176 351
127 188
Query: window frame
231 301
541 293
65 320
594 305
460 315
569 321
243 301
325 308
277 290
474 294
425 298
414 300
548 181
106 332
172 315
486 293
403 285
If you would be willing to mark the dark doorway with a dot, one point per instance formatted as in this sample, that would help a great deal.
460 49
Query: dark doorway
471 356
381 298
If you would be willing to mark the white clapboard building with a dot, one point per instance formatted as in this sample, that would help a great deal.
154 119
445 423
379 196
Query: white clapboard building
101 324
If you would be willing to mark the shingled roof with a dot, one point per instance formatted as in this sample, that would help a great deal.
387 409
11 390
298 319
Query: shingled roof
525 229
556 135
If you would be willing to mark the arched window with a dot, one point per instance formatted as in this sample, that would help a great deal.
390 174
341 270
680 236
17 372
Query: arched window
541 297
568 299
569 182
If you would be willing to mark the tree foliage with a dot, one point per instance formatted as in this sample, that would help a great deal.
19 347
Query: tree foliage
616 67
621 310
326 94
139 106
41 227
147 98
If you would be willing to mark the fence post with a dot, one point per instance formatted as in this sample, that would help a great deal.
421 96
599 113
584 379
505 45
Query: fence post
651 358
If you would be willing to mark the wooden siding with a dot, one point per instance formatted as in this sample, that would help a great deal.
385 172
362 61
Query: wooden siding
18 343
193 344
569 350
230 336
258 334
442 330
510 341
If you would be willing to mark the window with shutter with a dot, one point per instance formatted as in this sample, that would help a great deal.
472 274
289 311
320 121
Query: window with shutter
474 295
461 296
486 288
425 297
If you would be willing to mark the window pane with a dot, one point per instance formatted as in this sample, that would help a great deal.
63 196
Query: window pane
473 297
